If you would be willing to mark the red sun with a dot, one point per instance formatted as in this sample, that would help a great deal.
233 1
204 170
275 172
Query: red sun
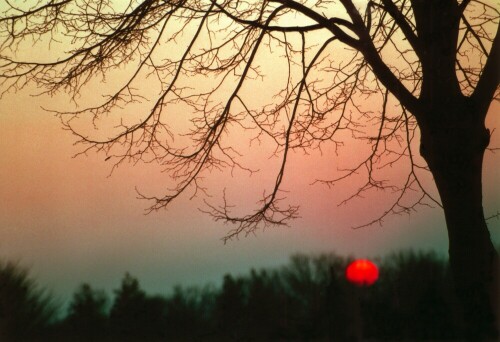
362 272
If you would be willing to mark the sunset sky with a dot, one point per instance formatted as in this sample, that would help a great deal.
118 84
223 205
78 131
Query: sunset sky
70 222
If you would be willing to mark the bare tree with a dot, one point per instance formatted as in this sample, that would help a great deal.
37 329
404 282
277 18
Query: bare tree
430 69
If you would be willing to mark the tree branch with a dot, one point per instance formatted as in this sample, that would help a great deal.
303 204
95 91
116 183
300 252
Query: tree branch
490 77
400 19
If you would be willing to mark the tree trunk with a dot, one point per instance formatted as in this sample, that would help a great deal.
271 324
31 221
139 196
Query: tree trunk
453 143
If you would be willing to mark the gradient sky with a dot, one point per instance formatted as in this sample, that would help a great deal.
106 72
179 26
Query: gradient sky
70 222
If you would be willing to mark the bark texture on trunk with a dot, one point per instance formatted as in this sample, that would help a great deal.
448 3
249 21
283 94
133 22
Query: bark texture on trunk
453 143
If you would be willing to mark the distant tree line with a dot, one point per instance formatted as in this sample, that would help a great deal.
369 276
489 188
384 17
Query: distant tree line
307 299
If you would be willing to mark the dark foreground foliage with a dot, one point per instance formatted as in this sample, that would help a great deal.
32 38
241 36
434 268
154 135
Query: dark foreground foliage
308 299
26 311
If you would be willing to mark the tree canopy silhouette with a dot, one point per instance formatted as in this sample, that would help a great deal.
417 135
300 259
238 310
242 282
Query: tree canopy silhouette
430 69
87 313
134 314
26 310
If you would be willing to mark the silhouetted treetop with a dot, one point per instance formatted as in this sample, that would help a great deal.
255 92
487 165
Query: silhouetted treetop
26 310
308 298
87 313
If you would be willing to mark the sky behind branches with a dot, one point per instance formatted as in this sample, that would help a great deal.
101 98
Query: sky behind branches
70 222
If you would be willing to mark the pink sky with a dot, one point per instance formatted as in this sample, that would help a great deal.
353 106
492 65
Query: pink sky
71 223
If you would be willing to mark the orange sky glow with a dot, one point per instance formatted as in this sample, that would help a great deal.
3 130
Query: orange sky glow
71 222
